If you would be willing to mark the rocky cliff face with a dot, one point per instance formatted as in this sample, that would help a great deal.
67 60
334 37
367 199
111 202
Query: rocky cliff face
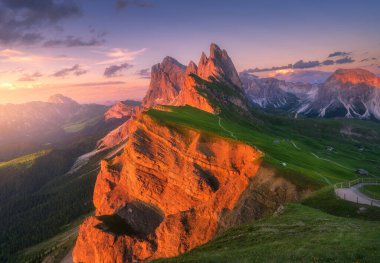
173 84
122 110
164 195
165 84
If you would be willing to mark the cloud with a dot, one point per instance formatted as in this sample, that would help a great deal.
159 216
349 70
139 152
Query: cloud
114 70
76 70
309 64
368 59
107 83
144 73
16 55
121 4
30 77
339 54
304 65
256 70
328 62
345 60
72 41
22 20
119 55
306 76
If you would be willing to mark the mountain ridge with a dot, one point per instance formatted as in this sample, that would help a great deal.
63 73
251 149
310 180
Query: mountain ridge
349 93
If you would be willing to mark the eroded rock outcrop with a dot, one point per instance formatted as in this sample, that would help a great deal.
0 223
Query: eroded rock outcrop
173 84
219 66
122 110
165 194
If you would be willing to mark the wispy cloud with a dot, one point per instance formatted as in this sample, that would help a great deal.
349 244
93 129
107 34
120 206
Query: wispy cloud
72 41
94 84
144 73
119 55
345 60
339 54
115 70
15 55
308 64
21 21
121 4
30 77
368 59
75 70
304 64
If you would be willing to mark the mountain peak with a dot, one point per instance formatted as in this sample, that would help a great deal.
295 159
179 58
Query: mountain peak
165 82
191 68
215 50
170 61
61 99
354 76
218 65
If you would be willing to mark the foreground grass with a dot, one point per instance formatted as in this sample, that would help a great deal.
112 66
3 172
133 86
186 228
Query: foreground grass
299 234
372 191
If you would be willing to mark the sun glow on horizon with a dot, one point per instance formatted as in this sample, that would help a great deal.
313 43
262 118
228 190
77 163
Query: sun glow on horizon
280 72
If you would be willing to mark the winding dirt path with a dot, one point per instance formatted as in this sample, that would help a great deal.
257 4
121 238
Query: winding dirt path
354 195
221 126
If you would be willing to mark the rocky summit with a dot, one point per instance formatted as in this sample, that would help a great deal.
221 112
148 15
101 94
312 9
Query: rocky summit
173 83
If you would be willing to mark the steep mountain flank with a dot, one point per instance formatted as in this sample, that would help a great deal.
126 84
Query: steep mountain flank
164 194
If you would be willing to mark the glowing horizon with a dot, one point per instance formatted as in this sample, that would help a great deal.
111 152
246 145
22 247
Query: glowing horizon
102 52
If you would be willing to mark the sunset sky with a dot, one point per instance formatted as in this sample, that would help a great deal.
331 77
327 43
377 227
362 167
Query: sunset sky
102 50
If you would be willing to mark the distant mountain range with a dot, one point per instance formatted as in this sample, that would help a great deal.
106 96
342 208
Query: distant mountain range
349 93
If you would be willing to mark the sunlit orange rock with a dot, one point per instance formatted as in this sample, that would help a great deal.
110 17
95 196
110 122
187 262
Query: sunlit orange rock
219 66
121 110
354 76
173 84
165 194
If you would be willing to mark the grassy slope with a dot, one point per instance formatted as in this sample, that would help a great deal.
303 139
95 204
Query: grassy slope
82 124
292 142
22 163
372 191
299 234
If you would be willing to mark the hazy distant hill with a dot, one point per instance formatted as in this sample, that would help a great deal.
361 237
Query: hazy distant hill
32 126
